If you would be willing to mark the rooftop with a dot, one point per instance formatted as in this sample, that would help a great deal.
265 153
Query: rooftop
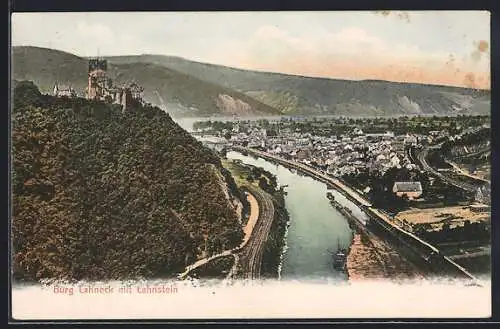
407 187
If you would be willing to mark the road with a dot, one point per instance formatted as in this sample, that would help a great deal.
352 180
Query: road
247 256
252 218
484 252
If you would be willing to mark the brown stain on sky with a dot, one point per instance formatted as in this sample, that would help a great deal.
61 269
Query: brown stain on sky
402 15
483 46
451 61
480 47
470 80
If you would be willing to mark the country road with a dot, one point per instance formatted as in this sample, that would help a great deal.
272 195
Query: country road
254 215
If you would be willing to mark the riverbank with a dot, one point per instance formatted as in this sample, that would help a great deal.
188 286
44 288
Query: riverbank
314 228
370 257
263 185
372 250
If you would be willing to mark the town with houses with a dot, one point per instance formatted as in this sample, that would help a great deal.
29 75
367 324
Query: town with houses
437 202
337 155
341 154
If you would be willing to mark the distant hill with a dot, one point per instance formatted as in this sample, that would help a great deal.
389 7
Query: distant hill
182 94
191 89
293 94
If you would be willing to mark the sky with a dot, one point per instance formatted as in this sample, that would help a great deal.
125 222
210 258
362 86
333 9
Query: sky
437 47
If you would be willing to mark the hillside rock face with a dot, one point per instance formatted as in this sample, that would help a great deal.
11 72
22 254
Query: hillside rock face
229 105
99 195
409 106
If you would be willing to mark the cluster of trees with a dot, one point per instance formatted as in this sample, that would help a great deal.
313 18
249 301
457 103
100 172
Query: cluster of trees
478 231
382 195
267 181
381 185
214 125
275 242
238 193
98 194
473 142
340 126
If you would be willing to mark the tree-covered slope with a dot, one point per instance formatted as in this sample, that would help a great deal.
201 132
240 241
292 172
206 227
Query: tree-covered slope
98 194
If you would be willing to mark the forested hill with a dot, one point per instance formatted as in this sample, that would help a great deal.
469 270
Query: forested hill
98 194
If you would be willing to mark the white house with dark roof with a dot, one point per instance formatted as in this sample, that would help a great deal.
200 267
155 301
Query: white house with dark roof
412 190
61 90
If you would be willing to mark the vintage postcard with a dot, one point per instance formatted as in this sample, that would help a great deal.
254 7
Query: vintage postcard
250 165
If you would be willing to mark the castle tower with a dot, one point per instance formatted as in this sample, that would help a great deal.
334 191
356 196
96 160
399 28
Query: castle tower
97 81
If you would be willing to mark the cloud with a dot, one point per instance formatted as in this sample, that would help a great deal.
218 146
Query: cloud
435 47
352 41
95 31
102 38
352 53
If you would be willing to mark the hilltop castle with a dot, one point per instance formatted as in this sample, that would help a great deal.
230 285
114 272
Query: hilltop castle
101 87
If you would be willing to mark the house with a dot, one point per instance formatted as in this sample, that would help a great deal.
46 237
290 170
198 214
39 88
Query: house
412 190
303 154
483 194
60 91
478 208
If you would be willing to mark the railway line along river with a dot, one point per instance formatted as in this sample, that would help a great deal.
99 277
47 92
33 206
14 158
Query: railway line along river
316 228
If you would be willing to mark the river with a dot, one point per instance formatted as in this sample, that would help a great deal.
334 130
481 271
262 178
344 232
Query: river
316 228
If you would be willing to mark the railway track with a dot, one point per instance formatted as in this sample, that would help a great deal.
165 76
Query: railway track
420 159
248 256
251 254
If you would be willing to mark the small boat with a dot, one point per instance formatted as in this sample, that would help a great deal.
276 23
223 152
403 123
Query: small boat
339 258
